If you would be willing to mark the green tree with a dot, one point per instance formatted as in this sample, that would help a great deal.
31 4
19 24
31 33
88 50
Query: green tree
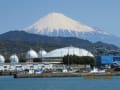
72 59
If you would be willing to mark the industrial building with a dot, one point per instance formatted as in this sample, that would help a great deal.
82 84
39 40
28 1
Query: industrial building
61 52
107 60
56 56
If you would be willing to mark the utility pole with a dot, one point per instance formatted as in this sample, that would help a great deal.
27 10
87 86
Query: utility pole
41 54
68 61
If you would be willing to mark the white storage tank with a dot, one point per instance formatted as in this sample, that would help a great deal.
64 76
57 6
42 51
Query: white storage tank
14 58
41 53
2 59
31 54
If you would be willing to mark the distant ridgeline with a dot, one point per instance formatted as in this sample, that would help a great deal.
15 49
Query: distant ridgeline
20 42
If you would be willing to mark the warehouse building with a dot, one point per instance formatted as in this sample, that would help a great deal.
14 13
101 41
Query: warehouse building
107 60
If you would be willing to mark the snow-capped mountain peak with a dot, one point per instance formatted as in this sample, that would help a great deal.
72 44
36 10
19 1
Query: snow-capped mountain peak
59 25
57 21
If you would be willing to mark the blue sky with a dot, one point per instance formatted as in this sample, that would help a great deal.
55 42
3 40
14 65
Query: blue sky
17 14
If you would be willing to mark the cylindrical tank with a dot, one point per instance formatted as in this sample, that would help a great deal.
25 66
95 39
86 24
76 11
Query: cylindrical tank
31 54
14 58
2 59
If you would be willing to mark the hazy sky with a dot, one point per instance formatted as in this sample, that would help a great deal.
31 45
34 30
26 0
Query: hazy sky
17 14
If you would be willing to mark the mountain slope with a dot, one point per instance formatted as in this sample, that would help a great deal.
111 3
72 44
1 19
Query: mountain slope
59 25
20 41
28 37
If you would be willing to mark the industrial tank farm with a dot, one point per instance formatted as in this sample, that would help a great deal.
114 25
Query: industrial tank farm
15 65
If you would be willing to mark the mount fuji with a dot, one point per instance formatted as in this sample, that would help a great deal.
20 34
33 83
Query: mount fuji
59 25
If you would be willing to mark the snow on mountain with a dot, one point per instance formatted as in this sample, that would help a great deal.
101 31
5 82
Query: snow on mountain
57 21
57 24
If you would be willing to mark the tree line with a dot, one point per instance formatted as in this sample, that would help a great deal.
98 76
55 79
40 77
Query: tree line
73 59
